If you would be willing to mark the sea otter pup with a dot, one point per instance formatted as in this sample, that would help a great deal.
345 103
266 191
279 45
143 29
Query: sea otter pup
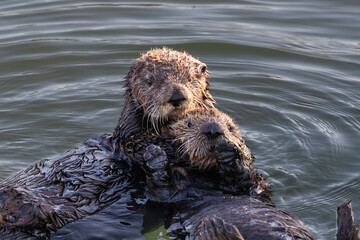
202 150
161 85
213 143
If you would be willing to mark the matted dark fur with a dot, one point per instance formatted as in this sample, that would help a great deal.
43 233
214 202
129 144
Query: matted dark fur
53 192
162 85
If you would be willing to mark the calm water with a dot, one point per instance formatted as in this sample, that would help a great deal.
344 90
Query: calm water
288 72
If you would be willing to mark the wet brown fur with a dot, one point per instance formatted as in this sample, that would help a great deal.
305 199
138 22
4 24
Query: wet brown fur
53 192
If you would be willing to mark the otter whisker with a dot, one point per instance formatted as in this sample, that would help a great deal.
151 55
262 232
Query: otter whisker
182 149
148 119
154 124
155 121
183 152
152 116
162 120
140 106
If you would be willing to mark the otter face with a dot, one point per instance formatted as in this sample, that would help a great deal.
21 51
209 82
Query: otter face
167 84
199 132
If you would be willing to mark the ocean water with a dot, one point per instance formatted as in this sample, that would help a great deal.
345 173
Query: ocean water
287 72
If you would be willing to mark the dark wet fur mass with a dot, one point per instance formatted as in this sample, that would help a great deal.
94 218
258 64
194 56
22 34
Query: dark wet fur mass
183 181
234 217
53 192
201 209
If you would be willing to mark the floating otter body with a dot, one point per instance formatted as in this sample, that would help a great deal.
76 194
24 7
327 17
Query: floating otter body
53 192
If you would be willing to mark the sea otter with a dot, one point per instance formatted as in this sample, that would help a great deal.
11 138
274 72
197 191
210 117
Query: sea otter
201 150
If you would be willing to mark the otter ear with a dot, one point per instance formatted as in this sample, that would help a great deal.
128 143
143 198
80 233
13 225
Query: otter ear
134 71
202 68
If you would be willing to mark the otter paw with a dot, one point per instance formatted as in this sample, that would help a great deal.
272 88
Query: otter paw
225 154
155 158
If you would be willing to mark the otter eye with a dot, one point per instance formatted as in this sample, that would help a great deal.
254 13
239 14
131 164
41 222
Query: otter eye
189 124
149 81
230 128
203 69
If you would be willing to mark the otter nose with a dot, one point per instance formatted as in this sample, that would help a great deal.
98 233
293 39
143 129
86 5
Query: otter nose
177 98
212 130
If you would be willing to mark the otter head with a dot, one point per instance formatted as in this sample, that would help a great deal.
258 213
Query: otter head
166 84
201 130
